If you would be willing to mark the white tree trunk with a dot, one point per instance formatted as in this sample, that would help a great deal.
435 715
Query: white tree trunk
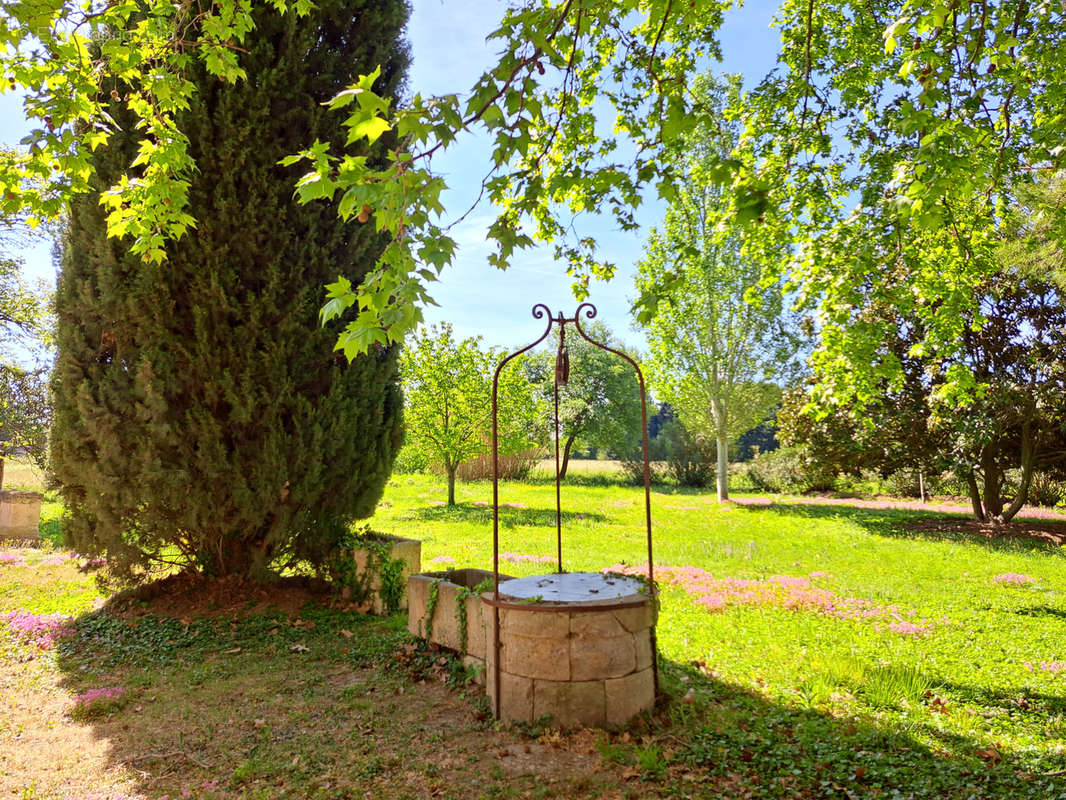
723 468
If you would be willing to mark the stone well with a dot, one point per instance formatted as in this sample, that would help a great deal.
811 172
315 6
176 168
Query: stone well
578 646
20 513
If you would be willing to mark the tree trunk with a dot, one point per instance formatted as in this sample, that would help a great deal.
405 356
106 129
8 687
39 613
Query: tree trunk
1028 459
975 497
232 556
1 473
566 456
993 475
451 484
723 467
921 485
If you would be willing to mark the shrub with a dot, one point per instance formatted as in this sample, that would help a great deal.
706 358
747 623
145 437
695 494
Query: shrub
691 460
409 460
788 469
1045 490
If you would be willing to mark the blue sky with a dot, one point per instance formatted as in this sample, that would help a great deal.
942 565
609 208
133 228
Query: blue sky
449 52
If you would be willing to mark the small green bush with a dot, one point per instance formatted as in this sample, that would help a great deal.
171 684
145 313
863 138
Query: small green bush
690 459
1046 491
788 469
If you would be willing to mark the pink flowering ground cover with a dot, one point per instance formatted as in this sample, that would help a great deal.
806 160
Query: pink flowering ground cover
1054 667
1013 579
11 560
96 703
58 558
795 593
520 558
41 630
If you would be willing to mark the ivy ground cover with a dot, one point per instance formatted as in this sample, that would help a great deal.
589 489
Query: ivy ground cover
807 652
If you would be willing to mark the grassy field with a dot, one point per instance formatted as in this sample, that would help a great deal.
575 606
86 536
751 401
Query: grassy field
807 651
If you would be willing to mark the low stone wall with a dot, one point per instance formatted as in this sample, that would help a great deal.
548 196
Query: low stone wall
584 668
391 548
20 514
445 626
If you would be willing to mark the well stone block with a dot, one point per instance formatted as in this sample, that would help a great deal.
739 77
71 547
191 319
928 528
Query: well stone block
572 704
453 587
418 588
636 618
628 696
610 657
535 656
20 514
478 625
409 551
516 696
596 625
644 650
553 624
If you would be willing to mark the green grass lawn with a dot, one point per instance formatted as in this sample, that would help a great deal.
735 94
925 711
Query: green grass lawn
807 651
970 681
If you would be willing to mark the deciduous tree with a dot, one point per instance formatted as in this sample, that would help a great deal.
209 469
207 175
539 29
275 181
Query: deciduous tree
1012 418
448 390
25 414
600 404
718 333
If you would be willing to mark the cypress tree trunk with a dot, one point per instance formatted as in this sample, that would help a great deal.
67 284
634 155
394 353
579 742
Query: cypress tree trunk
198 405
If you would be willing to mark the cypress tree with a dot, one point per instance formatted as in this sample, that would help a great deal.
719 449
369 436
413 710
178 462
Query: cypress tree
202 417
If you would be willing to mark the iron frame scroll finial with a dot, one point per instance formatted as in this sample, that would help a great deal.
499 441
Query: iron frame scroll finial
562 371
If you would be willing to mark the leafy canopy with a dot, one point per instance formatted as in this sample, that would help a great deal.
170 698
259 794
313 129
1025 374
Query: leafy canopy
881 118
719 335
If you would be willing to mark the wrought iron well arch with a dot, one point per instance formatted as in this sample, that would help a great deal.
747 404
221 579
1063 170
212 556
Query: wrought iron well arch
562 371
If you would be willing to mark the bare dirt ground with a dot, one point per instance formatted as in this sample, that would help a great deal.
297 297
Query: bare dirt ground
280 709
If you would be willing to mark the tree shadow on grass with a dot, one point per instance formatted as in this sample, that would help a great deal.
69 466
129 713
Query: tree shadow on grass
320 706
510 516
928 525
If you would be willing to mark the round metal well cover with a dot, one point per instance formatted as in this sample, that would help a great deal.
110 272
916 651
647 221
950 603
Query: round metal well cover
572 587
